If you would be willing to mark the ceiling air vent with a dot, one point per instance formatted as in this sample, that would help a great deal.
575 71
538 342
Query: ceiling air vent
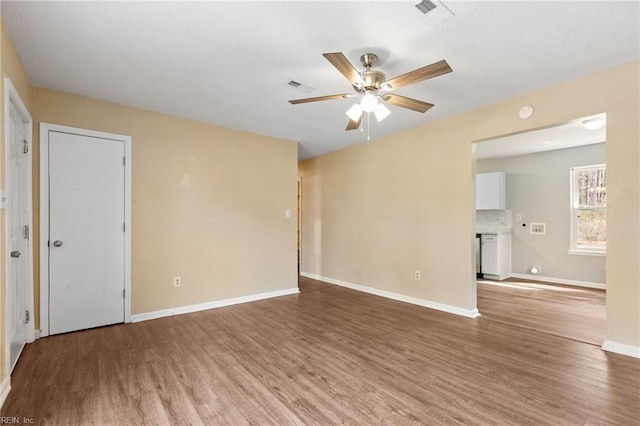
301 86
425 6
435 11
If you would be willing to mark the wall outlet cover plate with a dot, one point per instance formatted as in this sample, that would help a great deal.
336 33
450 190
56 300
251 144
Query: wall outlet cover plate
538 228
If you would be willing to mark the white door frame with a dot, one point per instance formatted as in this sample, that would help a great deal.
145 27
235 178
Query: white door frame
299 206
45 128
13 101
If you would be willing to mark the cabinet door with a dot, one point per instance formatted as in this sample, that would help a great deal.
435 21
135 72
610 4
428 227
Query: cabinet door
490 191
504 255
490 255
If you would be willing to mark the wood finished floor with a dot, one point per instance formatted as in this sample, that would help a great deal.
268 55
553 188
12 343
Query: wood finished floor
329 355
565 311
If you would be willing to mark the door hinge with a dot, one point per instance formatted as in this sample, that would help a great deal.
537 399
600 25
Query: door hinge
27 317
25 230
25 146
124 227
123 293
124 161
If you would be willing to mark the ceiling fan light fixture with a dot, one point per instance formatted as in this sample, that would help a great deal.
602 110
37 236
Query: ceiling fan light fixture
369 102
354 112
371 86
381 112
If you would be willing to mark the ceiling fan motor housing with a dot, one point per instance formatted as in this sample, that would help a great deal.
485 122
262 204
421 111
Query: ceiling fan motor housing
373 79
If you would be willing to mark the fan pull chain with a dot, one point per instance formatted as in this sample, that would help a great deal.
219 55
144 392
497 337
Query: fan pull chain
368 124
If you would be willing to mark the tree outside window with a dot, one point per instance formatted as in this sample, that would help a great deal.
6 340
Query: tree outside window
588 210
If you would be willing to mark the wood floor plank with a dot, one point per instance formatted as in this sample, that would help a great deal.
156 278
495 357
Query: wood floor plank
328 355
565 311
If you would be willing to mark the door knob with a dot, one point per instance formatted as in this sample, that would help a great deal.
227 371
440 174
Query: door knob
15 253
57 243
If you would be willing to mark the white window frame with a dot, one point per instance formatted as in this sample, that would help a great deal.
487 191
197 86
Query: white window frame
573 201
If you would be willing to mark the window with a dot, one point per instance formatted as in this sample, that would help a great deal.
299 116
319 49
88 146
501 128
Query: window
589 210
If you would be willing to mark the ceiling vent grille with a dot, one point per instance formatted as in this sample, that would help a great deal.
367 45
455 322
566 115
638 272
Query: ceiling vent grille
425 6
301 86
435 11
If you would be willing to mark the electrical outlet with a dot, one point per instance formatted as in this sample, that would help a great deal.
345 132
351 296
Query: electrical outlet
417 275
287 214
518 216
177 281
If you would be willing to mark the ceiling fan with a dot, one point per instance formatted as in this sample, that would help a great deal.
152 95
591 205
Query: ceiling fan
372 87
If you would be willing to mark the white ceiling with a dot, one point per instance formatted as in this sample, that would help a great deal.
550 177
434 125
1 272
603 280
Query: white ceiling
228 63
567 135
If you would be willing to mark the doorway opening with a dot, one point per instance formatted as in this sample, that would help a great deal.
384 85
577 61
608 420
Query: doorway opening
541 228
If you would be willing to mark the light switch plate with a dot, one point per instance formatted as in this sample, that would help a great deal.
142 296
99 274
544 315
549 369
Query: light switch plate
287 213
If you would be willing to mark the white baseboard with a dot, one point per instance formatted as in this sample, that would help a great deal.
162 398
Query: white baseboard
37 333
211 305
620 348
5 387
495 277
469 313
576 283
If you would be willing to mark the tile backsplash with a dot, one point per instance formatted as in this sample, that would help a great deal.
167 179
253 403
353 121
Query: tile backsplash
493 218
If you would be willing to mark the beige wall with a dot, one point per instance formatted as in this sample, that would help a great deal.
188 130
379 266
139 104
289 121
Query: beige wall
11 67
374 213
208 203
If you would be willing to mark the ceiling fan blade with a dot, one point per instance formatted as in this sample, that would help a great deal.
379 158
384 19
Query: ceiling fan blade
353 125
343 65
319 98
424 73
408 103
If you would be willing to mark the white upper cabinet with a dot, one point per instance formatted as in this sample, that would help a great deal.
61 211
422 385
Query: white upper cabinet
490 191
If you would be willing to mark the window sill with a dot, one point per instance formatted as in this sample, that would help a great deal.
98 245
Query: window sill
586 252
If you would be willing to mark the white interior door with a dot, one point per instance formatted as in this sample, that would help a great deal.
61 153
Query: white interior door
18 242
86 231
